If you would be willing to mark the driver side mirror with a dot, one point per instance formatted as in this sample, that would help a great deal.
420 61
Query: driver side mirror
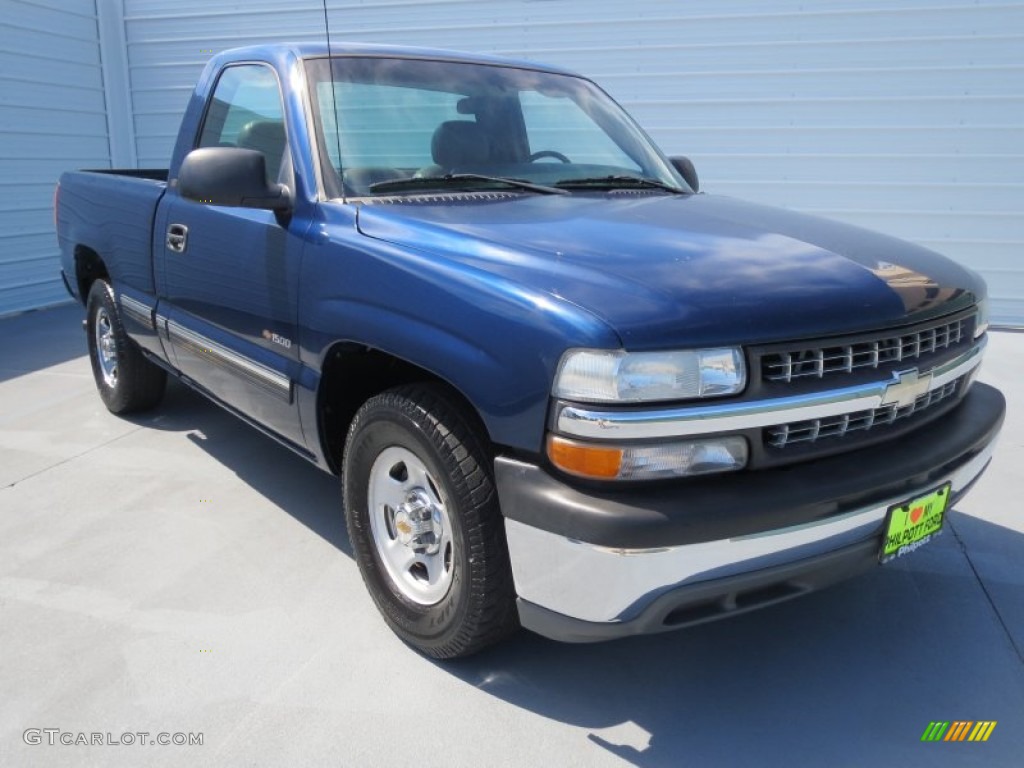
231 176
685 167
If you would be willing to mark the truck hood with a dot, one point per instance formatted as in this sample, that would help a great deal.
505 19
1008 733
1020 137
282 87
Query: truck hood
685 270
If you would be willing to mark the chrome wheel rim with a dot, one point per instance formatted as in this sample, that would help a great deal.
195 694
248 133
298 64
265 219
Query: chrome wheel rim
410 525
106 347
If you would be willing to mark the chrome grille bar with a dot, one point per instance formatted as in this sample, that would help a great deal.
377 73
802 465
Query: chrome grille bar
818 362
812 430
611 423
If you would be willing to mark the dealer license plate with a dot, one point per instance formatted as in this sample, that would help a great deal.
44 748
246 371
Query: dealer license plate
914 523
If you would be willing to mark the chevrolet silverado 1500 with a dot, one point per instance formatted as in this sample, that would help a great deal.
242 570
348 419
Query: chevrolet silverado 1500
563 388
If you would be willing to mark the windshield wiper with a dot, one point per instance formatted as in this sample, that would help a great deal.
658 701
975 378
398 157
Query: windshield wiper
417 182
618 182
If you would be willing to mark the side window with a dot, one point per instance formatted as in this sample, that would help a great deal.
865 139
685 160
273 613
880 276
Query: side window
556 123
246 112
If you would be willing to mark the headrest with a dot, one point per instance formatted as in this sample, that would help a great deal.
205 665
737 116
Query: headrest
459 143
268 137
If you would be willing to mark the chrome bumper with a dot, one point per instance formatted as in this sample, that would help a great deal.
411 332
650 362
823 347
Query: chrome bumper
610 586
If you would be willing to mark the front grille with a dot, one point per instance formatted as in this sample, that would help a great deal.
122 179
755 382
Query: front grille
835 427
819 362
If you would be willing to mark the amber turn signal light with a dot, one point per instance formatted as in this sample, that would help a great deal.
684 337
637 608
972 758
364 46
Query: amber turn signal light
583 459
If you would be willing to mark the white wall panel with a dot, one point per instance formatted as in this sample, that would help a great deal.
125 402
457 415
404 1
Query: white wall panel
905 116
52 117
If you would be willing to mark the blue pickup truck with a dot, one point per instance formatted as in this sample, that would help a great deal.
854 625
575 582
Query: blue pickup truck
563 388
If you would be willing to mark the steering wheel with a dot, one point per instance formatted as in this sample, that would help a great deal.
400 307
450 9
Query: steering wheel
548 153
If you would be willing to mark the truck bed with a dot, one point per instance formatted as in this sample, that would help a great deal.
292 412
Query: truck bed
111 212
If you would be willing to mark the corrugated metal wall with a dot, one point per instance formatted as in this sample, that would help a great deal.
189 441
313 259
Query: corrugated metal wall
901 115
52 117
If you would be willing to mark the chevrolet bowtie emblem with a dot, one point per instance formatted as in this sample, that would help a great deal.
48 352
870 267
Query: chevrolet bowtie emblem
907 387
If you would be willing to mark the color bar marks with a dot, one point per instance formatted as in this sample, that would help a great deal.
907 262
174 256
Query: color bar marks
958 730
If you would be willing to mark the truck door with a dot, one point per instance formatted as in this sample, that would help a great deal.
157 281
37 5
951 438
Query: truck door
228 277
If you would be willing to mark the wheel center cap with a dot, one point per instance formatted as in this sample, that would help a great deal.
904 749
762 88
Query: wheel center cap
418 523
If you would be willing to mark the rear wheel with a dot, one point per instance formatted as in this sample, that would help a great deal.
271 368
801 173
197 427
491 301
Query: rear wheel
424 522
126 380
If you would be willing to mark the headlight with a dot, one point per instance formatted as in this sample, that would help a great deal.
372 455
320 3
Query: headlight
647 462
981 319
617 376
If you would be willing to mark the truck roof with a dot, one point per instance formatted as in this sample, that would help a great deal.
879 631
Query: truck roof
344 48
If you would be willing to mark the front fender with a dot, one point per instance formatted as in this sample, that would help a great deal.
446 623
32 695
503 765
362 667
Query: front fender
495 341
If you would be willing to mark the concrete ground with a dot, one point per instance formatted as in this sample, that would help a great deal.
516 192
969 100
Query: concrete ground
180 573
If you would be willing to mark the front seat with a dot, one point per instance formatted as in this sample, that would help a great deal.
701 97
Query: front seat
268 137
460 145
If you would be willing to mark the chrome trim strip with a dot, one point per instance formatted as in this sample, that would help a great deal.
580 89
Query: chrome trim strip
136 310
161 322
593 583
256 373
684 421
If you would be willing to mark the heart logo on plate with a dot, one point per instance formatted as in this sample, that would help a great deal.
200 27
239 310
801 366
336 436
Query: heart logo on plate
916 514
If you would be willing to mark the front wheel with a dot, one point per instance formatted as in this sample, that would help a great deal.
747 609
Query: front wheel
126 380
424 523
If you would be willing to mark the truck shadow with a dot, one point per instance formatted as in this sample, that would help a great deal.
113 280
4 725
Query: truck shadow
33 341
849 676
308 494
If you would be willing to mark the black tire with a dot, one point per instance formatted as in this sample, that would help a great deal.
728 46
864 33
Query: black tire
478 608
130 382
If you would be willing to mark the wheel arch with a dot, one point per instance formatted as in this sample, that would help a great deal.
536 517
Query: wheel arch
89 267
352 373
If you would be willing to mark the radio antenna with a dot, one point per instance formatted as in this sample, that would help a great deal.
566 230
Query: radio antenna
334 101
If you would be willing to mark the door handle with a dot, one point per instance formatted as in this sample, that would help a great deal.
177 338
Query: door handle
177 238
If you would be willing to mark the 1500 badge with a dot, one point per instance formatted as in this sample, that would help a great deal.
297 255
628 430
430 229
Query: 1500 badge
271 336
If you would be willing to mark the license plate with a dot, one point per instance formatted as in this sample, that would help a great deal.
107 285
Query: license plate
914 523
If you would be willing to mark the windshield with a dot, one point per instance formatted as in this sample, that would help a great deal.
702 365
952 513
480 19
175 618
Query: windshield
383 120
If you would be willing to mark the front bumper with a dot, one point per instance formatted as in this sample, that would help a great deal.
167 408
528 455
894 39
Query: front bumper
598 564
